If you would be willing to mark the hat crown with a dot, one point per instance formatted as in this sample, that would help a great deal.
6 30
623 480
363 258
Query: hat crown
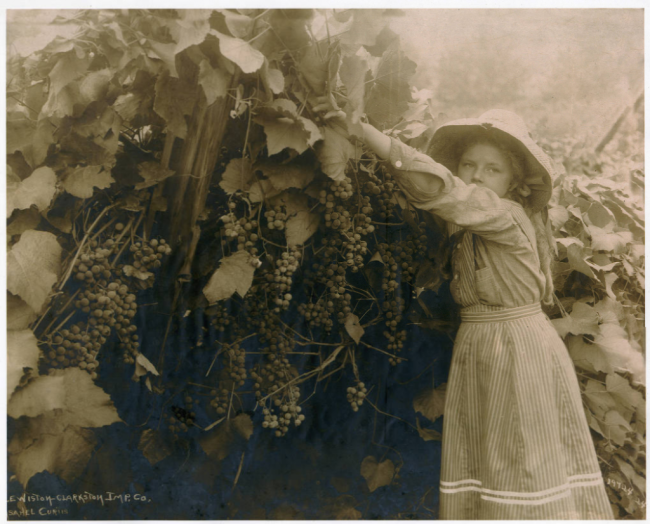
505 120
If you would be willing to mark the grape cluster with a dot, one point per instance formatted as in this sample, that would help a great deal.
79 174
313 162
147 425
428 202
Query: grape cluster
236 364
276 218
180 420
318 314
221 400
106 301
383 190
243 229
75 347
220 318
92 264
281 279
395 343
356 394
389 275
338 189
147 255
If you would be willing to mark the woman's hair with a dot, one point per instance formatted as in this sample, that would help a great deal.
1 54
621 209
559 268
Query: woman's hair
512 152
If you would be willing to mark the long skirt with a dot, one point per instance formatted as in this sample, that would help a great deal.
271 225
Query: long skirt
516 443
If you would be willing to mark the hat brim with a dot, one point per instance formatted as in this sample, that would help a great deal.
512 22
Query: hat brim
538 166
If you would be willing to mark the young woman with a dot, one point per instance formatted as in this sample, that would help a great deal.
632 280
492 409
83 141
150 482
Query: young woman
516 443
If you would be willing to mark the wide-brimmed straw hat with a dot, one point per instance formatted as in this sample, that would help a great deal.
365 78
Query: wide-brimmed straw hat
539 170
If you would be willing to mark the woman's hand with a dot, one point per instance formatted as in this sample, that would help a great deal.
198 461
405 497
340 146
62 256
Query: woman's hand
336 118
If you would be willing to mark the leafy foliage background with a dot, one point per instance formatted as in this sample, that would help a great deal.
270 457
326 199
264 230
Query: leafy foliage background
268 258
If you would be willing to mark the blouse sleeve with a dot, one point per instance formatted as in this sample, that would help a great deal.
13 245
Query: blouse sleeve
477 209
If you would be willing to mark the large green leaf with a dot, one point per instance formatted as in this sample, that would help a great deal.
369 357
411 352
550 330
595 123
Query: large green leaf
33 267
82 181
174 101
22 352
234 275
38 189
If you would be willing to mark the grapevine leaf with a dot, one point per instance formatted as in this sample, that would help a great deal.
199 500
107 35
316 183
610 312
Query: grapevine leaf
22 352
63 451
240 26
582 321
301 227
237 176
240 52
33 266
605 241
390 93
558 216
214 82
174 101
284 176
377 474
615 427
353 75
166 53
191 30
19 314
315 65
621 390
243 424
577 260
284 128
261 190
37 189
82 181
376 258
587 356
153 173
353 327
235 274
273 79
598 398
334 153
20 130
94 86
632 476
619 353
71 394
217 443
68 68
32 36
431 402
427 434
153 446
142 367
131 271
599 215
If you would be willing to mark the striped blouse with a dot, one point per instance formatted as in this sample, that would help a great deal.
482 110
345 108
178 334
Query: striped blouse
497 264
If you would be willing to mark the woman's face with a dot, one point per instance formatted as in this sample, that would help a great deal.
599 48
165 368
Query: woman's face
486 166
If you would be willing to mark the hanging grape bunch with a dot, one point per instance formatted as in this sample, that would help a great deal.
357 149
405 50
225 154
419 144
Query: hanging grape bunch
281 280
75 347
243 229
236 364
220 318
383 190
281 407
356 394
220 401
104 301
276 218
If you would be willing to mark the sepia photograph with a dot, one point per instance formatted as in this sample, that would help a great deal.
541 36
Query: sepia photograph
325 263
